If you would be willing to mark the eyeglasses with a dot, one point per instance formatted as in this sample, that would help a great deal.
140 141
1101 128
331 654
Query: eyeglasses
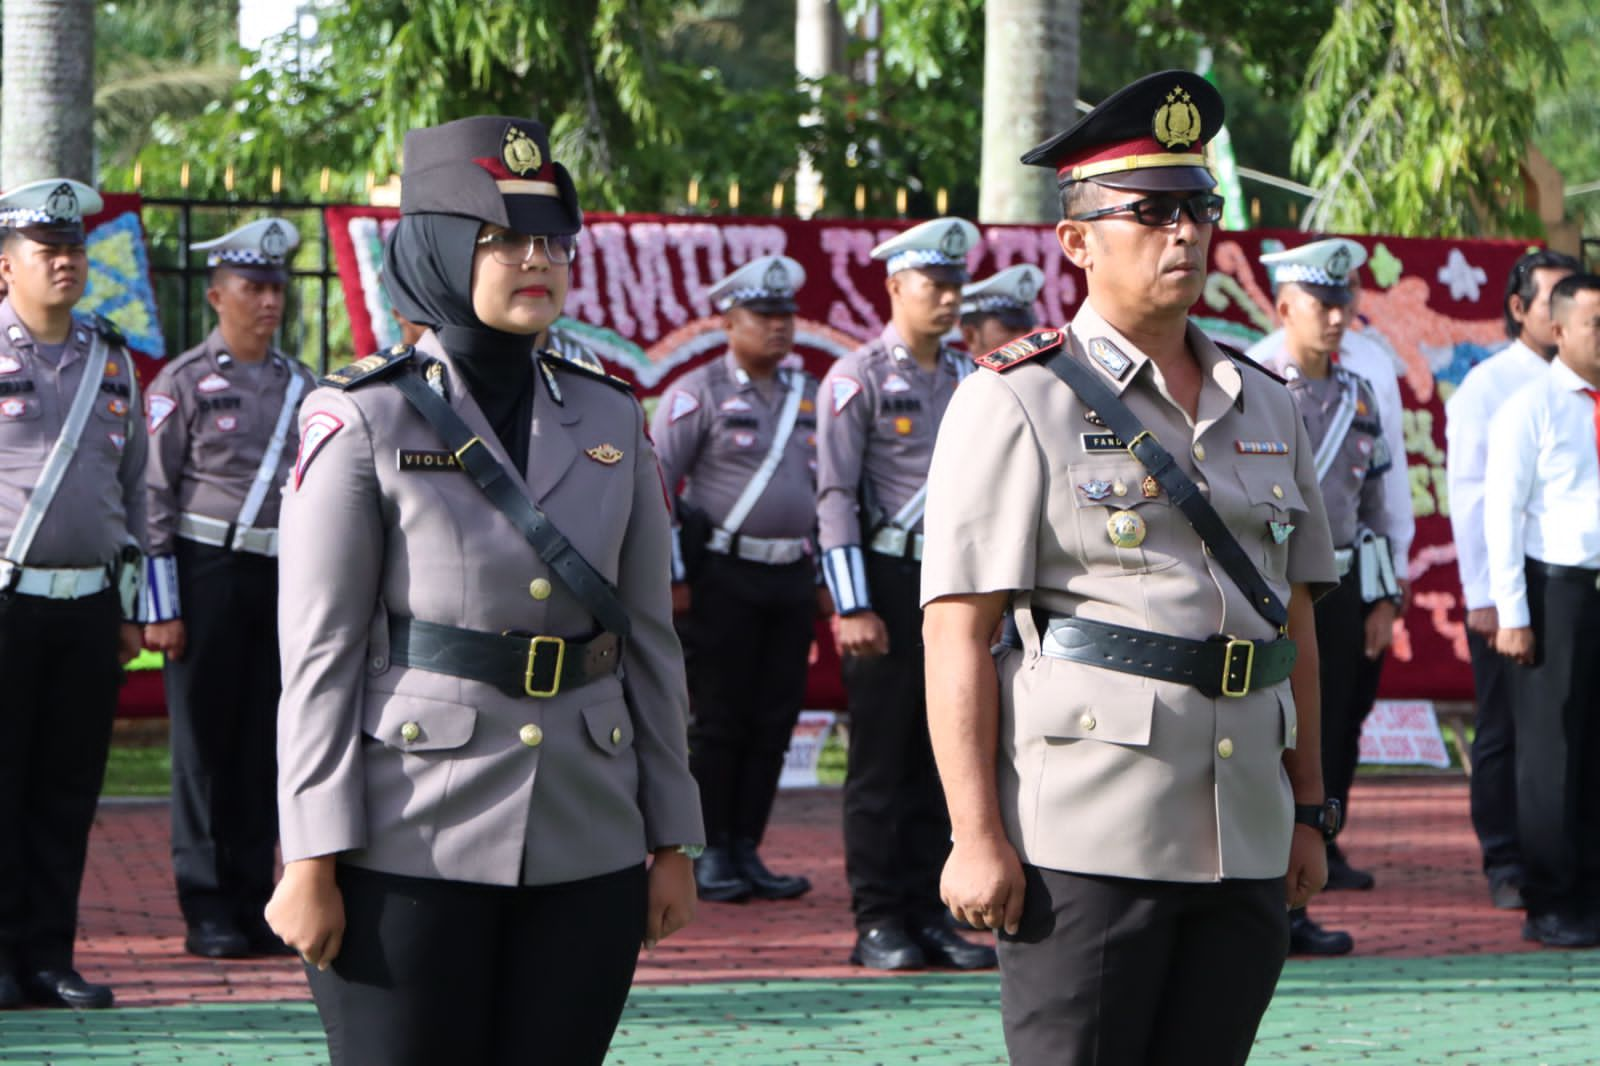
516 249
1205 209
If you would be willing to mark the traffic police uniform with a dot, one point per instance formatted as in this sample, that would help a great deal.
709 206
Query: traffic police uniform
490 742
223 439
1140 771
752 607
880 413
65 590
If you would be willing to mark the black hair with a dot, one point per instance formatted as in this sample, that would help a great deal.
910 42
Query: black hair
1522 283
1073 195
1010 318
1567 289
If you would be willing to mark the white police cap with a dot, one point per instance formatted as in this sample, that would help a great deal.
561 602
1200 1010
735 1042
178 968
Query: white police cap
939 246
767 285
258 249
50 209
1014 288
1322 267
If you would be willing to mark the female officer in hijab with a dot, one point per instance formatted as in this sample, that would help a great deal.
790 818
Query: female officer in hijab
482 733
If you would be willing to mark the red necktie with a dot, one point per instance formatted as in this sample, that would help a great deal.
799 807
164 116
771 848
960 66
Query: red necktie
1594 394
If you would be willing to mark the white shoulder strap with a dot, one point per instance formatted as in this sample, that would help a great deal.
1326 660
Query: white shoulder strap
66 446
1343 415
269 461
769 466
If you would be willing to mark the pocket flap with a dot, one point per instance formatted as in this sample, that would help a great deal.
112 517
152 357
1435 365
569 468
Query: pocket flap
609 725
1273 485
416 723
1118 716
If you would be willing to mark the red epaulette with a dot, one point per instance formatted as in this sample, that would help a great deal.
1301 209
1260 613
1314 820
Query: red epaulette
1022 349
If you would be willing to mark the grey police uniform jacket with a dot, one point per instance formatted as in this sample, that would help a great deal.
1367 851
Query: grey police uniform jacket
430 775
100 507
1109 773
210 420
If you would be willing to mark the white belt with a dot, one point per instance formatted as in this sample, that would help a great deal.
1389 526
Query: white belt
220 534
776 551
892 540
68 583
1343 560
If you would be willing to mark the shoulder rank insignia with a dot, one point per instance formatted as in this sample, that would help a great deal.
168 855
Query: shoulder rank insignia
370 368
109 331
558 361
1022 349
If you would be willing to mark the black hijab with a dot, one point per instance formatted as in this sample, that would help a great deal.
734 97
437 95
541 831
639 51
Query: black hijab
427 271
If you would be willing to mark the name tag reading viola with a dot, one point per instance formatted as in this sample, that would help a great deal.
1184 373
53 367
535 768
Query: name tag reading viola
427 462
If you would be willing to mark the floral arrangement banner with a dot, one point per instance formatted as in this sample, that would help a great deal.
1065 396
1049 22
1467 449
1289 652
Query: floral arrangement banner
638 302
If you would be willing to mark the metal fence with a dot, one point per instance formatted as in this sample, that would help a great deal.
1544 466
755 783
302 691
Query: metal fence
316 327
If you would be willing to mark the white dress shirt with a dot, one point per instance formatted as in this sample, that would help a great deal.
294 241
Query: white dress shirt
1466 433
1372 361
1541 496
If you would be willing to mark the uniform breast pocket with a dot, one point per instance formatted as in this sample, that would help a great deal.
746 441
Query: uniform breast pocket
1275 506
22 436
1124 519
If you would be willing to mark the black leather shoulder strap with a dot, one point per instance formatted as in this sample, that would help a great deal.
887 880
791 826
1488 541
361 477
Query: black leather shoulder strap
1142 444
503 490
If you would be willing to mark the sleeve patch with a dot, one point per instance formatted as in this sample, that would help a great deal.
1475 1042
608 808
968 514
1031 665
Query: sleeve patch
158 407
844 390
683 405
319 430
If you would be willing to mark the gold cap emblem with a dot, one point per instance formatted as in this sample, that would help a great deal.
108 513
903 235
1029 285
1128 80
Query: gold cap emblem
605 454
1177 122
520 153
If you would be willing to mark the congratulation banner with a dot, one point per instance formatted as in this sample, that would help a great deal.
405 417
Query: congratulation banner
638 301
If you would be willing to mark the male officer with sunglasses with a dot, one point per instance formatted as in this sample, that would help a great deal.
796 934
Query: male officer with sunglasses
1134 771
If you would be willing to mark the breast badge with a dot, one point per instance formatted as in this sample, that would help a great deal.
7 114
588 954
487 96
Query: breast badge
1280 531
1150 487
1126 528
1096 490
607 454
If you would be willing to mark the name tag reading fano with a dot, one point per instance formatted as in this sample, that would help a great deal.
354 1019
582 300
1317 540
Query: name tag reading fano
428 462
1102 442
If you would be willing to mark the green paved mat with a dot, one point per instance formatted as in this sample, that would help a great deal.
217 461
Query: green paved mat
1483 1009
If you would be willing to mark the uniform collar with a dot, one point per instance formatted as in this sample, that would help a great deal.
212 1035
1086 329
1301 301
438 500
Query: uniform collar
1119 361
16 336
741 378
1565 378
222 359
900 352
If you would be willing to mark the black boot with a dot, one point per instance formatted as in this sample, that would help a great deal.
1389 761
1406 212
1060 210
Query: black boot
1341 875
717 877
765 883
1306 937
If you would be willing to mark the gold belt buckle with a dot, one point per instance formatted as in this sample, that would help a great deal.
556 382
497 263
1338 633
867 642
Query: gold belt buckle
533 655
1234 644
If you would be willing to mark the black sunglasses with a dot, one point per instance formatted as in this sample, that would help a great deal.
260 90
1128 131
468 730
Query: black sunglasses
1204 208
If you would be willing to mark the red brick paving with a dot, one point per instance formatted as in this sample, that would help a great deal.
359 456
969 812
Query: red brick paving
1413 833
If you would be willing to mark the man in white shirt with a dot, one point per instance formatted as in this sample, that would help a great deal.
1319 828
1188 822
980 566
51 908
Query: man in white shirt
1467 415
1542 530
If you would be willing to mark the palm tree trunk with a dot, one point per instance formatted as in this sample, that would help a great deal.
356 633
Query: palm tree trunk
47 129
1030 83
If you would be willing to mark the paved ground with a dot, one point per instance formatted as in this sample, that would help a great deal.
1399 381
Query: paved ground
1439 977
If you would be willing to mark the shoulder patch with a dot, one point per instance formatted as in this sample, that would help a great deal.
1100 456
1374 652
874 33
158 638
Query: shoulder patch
683 405
109 331
1022 349
845 389
372 367
158 407
583 369
318 428
1244 360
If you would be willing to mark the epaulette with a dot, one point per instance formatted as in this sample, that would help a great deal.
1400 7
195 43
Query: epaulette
1239 357
1022 349
372 367
107 329
561 362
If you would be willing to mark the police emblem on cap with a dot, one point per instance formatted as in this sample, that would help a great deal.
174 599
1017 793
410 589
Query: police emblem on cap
63 202
1339 262
274 242
521 155
776 278
1177 122
1025 290
954 241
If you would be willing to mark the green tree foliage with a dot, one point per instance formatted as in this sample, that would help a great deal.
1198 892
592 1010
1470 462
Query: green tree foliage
1416 113
1569 117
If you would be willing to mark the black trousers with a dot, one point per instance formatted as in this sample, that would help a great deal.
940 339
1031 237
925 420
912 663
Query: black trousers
1493 786
746 642
434 972
222 699
1349 683
58 694
1557 706
896 827
1106 971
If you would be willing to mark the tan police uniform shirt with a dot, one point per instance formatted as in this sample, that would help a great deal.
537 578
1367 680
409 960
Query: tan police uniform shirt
716 425
431 775
100 506
1102 772
210 420
880 415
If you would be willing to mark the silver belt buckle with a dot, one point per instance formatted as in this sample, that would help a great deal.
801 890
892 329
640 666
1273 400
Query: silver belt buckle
891 541
63 584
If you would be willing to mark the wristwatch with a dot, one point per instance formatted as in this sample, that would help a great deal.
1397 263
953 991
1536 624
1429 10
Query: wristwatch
1325 817
694 851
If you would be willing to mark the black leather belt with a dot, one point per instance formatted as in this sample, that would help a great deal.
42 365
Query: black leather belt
518 664
1581 575
1217 666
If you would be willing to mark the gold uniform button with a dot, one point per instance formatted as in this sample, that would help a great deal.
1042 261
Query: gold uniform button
1200 453
616 735
1088 723
411 732
539 589
1225 748
531 735
1277 490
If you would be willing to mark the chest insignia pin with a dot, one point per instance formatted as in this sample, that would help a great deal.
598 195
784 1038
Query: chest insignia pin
1126 528
607 454
1280 531
1095 490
